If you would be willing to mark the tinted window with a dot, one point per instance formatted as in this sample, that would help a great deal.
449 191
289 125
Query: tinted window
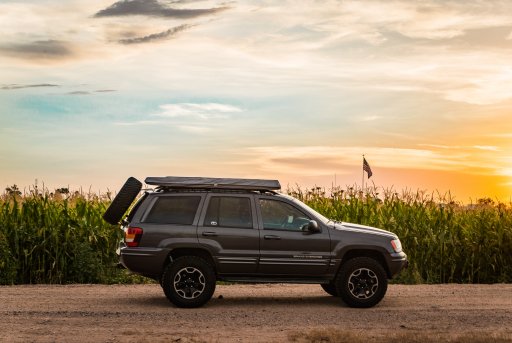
136 207
174 210
282 216
229 212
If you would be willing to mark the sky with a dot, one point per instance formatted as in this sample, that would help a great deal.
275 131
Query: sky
92 92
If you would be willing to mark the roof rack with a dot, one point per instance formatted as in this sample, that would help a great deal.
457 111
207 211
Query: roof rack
214 183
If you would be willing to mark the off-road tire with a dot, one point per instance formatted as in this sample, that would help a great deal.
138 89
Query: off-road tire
330 288
189 281
122 201
361 282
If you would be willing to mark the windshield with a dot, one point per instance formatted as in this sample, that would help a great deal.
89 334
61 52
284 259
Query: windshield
319 216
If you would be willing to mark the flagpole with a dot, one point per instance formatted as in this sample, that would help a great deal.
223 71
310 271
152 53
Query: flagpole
362 180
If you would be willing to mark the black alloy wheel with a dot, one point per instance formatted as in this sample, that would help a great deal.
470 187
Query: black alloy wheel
189 281
361 282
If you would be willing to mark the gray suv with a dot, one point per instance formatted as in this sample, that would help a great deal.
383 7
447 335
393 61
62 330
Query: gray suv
190 232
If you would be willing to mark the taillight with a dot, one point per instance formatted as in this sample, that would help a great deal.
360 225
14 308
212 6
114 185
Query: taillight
132 236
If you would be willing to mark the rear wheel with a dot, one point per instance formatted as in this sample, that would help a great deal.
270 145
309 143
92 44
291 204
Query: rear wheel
122 201
361 282
330 288
189 281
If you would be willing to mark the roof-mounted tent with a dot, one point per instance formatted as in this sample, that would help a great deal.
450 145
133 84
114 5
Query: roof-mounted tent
214 183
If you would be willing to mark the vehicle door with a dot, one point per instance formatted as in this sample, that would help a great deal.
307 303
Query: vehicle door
286 248
228 228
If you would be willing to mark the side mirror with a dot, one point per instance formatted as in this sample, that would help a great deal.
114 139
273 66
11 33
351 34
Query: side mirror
312 227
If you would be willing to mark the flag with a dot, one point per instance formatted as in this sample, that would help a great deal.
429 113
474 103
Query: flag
366 168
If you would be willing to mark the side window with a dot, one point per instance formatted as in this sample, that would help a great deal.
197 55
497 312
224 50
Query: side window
229 212
278 215
174 210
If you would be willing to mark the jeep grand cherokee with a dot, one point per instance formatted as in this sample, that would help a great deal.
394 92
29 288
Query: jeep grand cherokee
189 232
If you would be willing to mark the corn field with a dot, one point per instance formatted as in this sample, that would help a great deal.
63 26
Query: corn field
60 236
57 237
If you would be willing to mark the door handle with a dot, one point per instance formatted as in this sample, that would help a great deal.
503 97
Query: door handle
272 237
209 233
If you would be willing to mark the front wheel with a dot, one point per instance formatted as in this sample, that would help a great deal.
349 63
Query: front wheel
189 281
361 282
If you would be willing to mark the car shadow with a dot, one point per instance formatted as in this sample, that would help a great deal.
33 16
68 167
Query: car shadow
237 301
271 301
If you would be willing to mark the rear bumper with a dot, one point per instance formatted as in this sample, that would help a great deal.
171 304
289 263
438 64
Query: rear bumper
145 261
397 262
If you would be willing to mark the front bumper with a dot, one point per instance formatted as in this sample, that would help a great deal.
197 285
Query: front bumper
397 262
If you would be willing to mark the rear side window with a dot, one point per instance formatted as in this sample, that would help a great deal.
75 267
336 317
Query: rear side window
229 212
174 210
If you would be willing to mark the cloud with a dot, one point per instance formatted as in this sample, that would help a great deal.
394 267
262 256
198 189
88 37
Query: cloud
487 86
200 111
79 93
194 129
455 50
440 146
506 171
139 122
486 147
188 117
189 128
501 135
323 160
156 36
45 49
153 8
432 20
185 1
15 86
105 90
460 147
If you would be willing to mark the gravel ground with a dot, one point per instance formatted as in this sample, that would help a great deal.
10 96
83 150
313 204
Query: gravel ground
239 313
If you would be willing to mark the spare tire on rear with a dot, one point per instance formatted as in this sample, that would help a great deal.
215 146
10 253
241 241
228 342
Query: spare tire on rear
122 201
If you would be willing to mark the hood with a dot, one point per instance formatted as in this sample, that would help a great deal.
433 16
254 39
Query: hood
363 229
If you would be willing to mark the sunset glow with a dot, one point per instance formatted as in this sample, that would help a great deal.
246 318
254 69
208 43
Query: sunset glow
92 92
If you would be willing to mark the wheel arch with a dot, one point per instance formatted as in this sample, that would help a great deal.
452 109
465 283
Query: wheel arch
366 252
180 252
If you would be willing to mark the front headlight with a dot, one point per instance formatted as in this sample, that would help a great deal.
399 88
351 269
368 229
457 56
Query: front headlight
397 246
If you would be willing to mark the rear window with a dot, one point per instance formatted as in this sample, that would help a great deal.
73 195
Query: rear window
136 207
174 210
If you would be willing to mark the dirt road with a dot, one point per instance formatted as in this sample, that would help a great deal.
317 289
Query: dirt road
239 313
